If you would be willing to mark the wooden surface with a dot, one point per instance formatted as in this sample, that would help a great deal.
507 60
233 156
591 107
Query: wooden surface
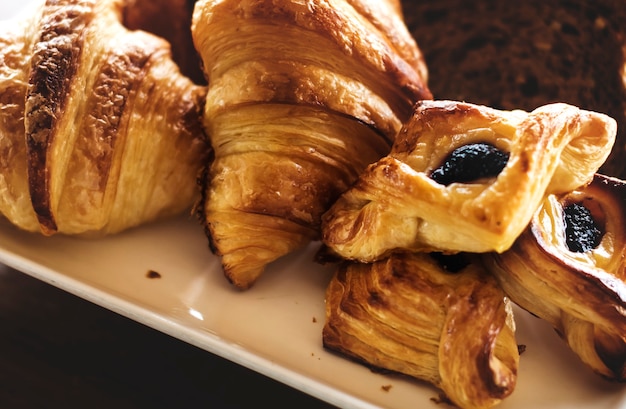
59 351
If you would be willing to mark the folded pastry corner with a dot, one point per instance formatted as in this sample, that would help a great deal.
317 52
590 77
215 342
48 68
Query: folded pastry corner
302 95
569 268
440 319
465 177
99 130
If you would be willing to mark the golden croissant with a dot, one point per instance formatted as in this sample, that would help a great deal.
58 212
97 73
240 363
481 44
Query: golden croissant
464 177
99 130
437 318
569 268
302 95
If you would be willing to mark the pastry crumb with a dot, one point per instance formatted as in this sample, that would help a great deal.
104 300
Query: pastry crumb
153 274
386 388
442 399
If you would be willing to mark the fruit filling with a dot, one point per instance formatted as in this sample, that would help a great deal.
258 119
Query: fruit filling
470 163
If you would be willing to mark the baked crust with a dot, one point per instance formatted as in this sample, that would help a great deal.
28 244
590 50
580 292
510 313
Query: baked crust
302 96
396 206
408 315
582 294
100 131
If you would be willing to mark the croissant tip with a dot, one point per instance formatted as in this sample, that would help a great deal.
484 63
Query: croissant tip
242 281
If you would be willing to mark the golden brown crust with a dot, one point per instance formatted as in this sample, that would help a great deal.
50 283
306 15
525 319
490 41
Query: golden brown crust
408 315
329 56
396 205
261 204
302 96
15 203
581 293
112 130
54 63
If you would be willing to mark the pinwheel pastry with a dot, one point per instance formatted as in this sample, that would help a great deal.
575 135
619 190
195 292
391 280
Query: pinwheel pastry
569 268
441 319
464 177
99 130
302 96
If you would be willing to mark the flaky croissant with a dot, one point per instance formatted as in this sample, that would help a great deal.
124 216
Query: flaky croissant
302 96
408 314
463 177
99 131
569 268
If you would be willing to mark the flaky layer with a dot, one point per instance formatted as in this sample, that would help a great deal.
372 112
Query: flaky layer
279 169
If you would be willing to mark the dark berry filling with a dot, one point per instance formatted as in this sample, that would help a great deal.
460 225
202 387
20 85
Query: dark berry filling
581 232
469 163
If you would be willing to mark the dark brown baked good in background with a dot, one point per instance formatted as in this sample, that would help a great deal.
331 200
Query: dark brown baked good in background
171 20
510 55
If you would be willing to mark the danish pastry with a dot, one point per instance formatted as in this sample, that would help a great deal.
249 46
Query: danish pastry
302 95
99 130
464 177
441 319
569 268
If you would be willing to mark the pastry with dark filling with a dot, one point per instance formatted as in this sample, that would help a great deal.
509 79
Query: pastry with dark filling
569 268
302 97
437 318
464 177
99 130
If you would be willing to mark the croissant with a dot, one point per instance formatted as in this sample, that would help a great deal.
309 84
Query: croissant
99 130
464 177
446 322
569 268
302 95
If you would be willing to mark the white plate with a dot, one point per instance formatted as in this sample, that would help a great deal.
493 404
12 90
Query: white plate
274 328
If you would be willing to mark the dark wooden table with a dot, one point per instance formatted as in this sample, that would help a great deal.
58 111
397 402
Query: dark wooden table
59 351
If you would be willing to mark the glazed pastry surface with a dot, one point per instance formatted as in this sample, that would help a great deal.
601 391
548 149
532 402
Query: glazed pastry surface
302 96
405 202
574 277
408 314
99 131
